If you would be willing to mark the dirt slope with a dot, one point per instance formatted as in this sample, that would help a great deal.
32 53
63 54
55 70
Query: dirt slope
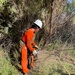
50 63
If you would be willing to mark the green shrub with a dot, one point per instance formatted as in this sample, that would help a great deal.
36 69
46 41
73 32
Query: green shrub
5 65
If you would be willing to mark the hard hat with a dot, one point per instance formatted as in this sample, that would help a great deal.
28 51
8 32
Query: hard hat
38 23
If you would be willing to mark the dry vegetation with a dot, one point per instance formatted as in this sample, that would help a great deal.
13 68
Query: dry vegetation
56 39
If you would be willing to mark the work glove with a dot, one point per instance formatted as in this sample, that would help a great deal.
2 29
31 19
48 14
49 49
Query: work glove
35 53
36 47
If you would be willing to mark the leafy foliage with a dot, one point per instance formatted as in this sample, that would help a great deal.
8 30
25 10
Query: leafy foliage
16 16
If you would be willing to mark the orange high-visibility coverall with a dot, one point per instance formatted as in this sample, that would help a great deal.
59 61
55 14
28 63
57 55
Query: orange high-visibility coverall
28 39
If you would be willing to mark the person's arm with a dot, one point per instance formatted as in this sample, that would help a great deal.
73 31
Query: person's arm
34 44
29 41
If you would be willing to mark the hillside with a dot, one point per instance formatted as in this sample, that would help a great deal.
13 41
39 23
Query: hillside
6 68
50 63
56 39
47 63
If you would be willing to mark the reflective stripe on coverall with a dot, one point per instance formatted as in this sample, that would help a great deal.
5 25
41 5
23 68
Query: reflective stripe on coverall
29 43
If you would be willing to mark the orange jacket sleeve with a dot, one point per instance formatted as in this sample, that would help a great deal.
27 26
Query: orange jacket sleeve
34 44
29 40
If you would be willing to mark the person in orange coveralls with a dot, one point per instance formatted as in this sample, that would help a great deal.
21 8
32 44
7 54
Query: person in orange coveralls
29 47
